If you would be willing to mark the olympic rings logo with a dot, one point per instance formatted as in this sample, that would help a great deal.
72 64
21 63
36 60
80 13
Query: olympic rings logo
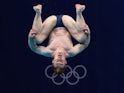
67 75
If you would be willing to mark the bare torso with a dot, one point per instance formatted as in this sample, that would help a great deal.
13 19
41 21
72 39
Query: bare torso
60 37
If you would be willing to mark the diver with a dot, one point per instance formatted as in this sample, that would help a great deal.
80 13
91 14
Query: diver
59 29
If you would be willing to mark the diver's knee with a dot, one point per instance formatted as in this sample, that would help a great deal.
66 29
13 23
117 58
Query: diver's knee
66 18
50 20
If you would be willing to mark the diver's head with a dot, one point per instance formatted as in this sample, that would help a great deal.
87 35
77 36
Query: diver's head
59 62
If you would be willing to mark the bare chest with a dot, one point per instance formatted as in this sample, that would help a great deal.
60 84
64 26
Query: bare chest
60 39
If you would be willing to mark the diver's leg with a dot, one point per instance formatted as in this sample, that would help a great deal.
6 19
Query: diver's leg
42 30
37 23
71 26
47 27
81 24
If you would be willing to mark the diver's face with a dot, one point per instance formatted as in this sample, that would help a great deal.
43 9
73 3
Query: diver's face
59 59
59 63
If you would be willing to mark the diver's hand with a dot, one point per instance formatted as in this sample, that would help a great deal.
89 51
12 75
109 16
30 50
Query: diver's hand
33 33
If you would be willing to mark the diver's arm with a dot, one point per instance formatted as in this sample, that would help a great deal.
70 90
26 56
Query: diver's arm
81 46
76 50
41 50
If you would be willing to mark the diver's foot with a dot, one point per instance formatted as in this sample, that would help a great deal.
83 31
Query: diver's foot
38 8
79 8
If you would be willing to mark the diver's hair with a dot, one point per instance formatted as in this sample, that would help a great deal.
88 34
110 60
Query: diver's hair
59 70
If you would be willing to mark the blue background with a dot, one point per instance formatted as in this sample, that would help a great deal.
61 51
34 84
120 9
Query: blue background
23 71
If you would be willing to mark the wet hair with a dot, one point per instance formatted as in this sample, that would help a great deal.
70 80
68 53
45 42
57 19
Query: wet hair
59 69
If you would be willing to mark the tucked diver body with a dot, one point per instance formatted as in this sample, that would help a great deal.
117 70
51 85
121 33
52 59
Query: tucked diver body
59 28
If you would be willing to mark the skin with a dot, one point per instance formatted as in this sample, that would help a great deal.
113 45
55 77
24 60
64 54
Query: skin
60 45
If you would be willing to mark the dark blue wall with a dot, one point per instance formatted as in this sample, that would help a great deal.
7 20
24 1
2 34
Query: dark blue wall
23 70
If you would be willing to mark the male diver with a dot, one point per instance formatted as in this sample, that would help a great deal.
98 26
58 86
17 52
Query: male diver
59 28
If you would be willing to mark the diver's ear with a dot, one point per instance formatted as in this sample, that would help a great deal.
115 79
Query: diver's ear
65 61
52 61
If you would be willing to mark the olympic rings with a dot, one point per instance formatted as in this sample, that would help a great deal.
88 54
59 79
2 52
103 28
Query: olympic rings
85 71
67 76
59 83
